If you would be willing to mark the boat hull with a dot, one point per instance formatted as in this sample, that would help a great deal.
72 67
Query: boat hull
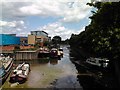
97 64
53 54
7 72
17 78
56 53
95 68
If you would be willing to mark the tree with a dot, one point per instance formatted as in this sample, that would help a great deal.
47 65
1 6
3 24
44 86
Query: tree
56 39
102 35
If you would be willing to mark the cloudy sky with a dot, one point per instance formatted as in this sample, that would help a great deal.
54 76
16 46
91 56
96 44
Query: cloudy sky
56 17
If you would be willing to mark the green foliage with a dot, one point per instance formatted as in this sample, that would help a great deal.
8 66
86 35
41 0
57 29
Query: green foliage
102 36
37 45
73 40
65 41
56 40
46 43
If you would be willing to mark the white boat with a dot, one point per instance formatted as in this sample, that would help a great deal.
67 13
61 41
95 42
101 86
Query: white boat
20 74
98 62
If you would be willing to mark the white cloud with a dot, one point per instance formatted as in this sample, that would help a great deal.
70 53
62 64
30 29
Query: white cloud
12 24
9 24
56 29
77 12
15 27
25 33
69 10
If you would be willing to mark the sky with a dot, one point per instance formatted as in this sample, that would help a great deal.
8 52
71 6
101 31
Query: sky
56 17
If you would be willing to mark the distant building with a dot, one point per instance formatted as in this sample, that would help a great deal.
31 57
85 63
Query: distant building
31 39
37 37
39 33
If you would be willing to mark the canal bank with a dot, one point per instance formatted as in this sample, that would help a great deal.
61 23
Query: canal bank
91 77
46 73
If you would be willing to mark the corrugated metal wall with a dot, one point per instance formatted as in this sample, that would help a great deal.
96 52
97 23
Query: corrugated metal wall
9 40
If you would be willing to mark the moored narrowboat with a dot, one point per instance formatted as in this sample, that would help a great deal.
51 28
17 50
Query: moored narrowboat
54 53
97 63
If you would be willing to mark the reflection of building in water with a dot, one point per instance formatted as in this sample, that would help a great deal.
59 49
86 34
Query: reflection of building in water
53 61
43 61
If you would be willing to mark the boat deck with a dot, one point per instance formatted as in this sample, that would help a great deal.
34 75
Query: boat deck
6 64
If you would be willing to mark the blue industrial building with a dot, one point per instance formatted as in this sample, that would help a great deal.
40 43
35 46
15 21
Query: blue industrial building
7 39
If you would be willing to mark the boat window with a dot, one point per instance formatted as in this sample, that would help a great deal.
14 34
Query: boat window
15 72
60 49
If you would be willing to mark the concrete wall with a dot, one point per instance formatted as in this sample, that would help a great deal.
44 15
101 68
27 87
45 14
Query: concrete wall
26 55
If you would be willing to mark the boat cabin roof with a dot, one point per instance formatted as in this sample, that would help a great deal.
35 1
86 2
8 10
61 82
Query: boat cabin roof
54 49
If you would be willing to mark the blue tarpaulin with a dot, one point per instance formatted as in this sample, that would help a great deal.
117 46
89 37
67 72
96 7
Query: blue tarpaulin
6 39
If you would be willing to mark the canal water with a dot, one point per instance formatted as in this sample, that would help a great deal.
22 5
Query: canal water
50 73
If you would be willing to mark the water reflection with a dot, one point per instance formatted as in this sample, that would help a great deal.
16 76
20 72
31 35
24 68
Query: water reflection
38 61
46 71
84 77
87 77
53 61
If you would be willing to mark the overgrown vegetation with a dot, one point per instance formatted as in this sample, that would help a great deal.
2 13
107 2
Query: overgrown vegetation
102 35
